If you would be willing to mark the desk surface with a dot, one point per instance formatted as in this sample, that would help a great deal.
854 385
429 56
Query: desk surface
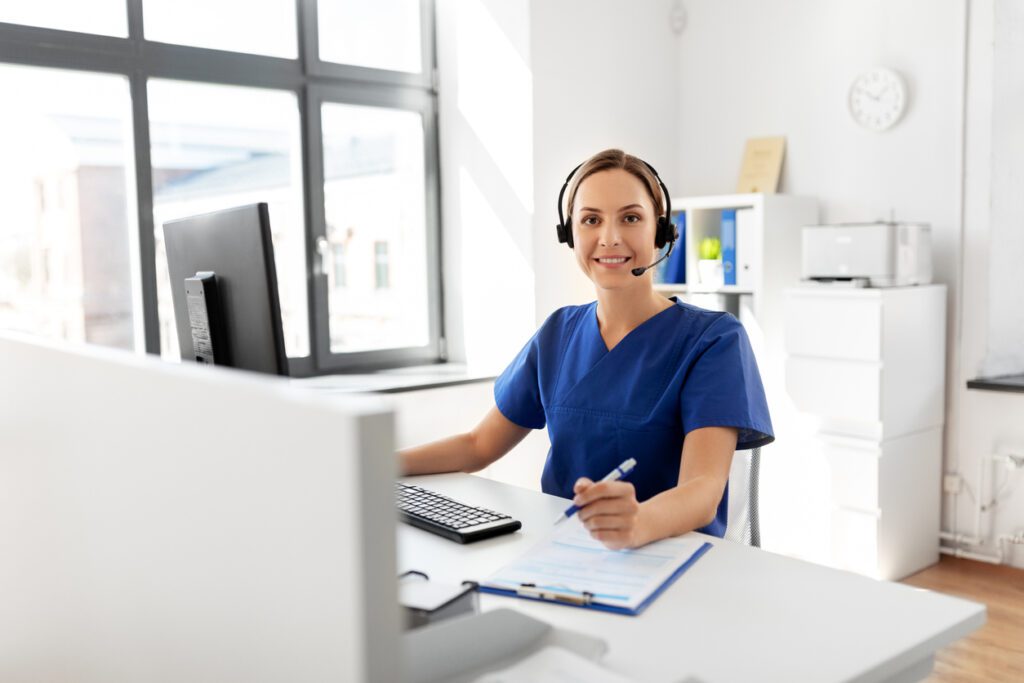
739 614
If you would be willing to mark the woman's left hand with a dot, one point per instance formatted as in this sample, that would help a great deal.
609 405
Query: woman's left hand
610 512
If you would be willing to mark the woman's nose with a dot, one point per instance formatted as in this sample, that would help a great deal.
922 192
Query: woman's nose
609 235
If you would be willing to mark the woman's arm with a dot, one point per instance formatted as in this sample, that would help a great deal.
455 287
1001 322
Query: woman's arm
614 517
474 450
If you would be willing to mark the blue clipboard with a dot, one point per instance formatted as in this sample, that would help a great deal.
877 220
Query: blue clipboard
608 608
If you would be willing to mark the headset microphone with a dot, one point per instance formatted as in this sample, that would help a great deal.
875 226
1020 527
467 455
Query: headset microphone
643 269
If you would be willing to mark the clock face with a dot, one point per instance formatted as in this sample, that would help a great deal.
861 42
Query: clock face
877 99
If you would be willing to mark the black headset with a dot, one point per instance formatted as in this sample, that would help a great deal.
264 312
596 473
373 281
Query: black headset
664 234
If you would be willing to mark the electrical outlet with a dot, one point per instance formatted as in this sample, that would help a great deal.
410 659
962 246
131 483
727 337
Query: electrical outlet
951 483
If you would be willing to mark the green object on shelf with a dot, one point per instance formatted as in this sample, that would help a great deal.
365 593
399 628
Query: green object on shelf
710 248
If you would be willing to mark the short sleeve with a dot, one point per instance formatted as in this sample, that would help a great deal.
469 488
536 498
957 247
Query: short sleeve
517 389
724 389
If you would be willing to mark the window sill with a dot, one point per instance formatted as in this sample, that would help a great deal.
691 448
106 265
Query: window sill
397 380
1011 383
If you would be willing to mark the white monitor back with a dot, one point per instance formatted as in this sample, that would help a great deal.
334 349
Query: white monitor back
183 523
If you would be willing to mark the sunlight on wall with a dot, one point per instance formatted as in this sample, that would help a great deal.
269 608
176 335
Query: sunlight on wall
498 282
496 96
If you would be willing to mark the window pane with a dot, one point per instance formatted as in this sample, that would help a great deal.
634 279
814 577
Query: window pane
216 147
105 17
376 207
266 27
68 258
383 34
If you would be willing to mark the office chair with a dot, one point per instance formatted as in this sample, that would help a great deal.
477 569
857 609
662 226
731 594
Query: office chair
752 530
744 518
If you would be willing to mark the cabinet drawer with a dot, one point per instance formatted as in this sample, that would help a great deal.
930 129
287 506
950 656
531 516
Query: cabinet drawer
833 327
854 473
846 390
855 541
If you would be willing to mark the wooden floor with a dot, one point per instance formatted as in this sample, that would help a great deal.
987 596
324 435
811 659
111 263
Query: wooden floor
995 652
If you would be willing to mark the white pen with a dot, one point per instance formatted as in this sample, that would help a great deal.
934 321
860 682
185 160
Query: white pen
620 472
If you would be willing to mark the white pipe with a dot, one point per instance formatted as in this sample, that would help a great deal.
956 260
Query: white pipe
979 503
998 558
956 552
982 494
959 538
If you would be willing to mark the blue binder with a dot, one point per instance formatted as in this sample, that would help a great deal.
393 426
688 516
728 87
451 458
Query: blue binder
728 237
675 267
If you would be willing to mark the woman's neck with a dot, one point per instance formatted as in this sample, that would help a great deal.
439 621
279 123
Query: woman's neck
621 310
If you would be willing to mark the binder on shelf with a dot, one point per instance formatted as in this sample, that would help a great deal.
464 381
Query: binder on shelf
571 568
675 266
659 273
746 239
728 237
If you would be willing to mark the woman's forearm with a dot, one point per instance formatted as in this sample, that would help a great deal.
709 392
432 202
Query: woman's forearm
454 454
681 509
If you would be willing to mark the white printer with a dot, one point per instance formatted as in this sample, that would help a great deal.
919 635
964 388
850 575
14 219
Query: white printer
877 254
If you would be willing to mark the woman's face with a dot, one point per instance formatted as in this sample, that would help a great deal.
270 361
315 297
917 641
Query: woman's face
613 226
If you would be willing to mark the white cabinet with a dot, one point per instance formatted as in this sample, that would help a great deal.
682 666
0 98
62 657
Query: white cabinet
870 365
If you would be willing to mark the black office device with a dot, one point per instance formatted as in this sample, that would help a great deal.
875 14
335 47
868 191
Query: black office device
206 319
235 246
449 518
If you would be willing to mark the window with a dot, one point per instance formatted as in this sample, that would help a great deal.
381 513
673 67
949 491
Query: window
214 147
131 113
351 32
266 27
380 265
66 266
105 17
374 183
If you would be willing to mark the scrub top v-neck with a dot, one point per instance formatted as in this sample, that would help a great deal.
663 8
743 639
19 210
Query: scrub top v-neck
681 369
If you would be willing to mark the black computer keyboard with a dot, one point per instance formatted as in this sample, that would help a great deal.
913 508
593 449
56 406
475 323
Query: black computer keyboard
449 518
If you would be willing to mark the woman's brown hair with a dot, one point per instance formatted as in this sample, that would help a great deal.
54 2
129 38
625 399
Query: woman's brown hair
611 159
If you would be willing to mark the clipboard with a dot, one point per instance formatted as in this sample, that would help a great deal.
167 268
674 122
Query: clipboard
570 568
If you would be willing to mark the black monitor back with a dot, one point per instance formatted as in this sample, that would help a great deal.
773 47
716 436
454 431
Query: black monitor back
235 244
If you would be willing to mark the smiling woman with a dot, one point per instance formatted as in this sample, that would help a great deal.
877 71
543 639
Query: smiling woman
631 375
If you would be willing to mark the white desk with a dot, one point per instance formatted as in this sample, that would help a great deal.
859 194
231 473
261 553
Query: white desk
739 614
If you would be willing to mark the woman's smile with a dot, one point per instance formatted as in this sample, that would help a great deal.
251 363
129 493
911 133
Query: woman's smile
612 261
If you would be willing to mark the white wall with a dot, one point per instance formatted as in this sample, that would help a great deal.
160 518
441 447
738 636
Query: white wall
992 331
604 76
486 138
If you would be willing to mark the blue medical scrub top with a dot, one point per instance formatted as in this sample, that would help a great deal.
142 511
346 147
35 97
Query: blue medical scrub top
682 369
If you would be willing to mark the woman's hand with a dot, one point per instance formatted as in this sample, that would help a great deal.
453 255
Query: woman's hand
610 512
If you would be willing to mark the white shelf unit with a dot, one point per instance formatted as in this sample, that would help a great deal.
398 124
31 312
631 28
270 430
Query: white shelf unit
773 253
869 365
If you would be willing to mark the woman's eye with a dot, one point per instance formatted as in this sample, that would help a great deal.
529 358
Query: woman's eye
632 218
590 220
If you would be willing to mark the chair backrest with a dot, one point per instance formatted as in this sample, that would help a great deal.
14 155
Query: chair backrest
744 477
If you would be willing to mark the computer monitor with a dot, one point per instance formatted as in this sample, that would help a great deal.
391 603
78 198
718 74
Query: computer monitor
244 309
169 522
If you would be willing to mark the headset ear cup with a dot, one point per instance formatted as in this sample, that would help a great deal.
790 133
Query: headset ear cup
564 232
663 235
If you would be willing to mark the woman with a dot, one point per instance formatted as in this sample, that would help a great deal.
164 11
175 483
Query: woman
631 375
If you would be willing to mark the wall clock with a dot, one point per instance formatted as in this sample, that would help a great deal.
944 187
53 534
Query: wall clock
878 99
